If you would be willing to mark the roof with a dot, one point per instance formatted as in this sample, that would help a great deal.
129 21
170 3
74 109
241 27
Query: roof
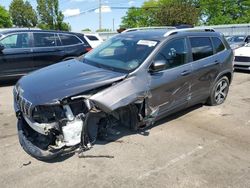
148 28
157 34
160 34
16 30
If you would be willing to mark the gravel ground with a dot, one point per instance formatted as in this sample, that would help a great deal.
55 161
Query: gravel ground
199 147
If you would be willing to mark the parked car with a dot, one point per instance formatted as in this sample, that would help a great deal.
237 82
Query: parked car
93 39
133 80
23 51
237 41
242 58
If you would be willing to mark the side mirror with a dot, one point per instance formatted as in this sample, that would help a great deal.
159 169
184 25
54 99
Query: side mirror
158 66
1 47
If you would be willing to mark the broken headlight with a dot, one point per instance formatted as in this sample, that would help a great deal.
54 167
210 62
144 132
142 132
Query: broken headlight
48 114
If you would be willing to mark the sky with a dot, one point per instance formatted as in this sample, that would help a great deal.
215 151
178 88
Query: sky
77 15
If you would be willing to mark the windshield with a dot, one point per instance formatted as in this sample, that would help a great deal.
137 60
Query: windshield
121 54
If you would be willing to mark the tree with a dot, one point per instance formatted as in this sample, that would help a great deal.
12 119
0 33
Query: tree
225 11
162 12
135 18
49 15
22 14
86 29
5 20
103 30
176 12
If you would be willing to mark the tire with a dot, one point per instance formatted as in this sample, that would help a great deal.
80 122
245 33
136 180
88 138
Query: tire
219 92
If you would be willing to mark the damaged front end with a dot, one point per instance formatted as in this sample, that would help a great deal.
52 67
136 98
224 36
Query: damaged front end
45 131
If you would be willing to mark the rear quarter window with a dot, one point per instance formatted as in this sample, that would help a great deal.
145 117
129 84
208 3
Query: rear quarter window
93 38
69 39
218 44
201 47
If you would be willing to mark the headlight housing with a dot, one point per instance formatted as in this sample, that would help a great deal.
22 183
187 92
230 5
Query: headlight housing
48 114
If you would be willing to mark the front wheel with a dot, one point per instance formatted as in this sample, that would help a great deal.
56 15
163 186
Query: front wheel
219 92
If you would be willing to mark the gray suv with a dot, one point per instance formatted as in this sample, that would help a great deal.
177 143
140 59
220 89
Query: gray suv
132 80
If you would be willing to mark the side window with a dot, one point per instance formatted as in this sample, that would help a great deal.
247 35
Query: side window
201 47
45 39
69 39
16 41
218 45
93 38
175 53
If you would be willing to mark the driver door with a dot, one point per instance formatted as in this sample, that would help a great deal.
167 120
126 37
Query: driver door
16 58
171 87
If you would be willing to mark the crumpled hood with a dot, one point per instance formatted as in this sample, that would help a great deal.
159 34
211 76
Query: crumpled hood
64 79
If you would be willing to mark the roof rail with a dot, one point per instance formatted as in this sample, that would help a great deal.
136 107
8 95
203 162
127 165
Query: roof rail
171 32
148 28
19 28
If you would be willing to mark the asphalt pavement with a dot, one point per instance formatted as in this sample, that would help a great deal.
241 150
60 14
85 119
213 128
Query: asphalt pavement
200 147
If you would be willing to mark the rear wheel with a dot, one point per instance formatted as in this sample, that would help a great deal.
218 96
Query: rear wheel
219 92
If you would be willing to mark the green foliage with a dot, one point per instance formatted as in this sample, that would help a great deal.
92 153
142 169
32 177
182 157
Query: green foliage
22 14
137 18
49 15
5 20
162 12
225 11
176 12
103 30
192 12
86 29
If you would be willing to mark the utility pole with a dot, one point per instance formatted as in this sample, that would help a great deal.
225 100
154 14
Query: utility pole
113 24
100 14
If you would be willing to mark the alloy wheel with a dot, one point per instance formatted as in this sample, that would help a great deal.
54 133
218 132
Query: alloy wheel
221 91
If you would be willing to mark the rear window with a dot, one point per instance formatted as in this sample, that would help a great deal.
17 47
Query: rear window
69 39
45 39
201 47
218 45
94 38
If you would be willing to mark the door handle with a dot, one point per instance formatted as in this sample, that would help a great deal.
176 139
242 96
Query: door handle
185 73
216 62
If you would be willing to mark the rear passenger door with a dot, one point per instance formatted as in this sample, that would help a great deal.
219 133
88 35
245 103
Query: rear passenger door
206 67
16 57
47 49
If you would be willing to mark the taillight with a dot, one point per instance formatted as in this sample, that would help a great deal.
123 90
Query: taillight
88 49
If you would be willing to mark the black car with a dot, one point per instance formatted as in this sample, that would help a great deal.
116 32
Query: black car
132 80
23 51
